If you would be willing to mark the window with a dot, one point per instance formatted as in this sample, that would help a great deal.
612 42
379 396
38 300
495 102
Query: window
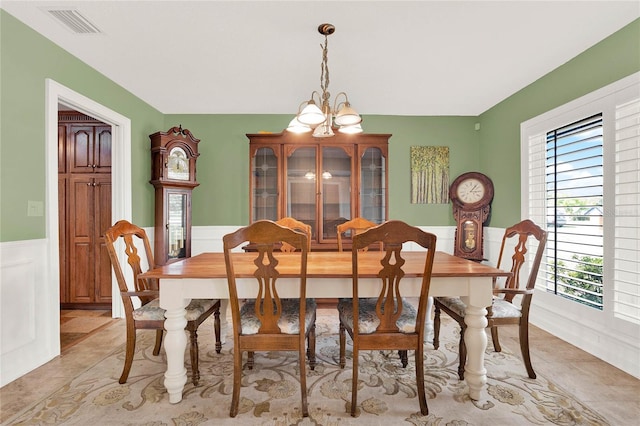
581 179
574 181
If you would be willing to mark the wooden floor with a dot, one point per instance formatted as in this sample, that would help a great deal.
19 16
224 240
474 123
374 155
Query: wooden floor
609 391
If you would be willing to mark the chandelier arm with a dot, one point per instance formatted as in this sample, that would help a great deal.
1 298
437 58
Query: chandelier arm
311 100
337 105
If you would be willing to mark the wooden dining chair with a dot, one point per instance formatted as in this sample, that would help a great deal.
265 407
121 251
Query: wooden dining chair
149 316
505 309
294 224
266 322
388 322
354 227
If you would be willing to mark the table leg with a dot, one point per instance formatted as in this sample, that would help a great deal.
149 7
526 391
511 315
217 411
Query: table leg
224 324
428 322
175 343
475 338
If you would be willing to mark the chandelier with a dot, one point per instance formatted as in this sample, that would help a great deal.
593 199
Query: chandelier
316 114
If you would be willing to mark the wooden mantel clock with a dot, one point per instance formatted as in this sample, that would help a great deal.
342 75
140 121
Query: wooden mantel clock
471 195
173 174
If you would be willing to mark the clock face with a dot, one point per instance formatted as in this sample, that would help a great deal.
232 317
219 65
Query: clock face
470 190
178 165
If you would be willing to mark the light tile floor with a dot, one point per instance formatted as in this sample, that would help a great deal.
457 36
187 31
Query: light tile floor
76 325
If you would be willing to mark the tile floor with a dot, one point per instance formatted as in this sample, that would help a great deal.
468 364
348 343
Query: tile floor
77 325
611 392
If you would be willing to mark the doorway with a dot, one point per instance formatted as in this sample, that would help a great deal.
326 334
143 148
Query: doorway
84 202
57 94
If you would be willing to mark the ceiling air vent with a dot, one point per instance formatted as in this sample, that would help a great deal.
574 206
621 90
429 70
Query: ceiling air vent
73 20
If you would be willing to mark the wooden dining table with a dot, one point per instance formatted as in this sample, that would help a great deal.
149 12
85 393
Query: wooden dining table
329 275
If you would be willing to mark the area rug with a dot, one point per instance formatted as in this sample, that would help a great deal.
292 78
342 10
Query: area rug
270 392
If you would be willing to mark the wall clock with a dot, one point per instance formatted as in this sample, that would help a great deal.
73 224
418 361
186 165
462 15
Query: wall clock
471 194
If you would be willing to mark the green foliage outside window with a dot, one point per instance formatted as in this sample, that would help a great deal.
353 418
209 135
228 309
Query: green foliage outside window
583 282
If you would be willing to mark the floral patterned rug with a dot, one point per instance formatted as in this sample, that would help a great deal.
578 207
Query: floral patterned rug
270 394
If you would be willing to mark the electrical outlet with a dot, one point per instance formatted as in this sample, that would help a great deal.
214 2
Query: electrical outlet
35 208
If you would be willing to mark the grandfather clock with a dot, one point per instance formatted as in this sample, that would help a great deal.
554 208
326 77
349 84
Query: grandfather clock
173 174
471 195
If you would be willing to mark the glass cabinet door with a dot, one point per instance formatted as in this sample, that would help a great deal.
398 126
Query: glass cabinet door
264 182
301 186
177 224
373 190
336 181
322 182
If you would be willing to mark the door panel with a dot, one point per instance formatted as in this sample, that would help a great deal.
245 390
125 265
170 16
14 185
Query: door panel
81 212
80 148
102 149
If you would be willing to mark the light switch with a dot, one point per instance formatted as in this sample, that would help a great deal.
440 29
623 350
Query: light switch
35 208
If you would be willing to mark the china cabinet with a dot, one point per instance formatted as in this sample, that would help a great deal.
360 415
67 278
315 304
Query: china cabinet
322 182
173 174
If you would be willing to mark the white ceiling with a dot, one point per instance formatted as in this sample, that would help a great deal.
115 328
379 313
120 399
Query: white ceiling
391 57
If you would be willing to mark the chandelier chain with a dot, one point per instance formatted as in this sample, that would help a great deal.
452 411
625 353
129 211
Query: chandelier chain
324 74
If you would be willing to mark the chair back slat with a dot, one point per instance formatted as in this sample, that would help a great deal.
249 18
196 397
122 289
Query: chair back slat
522 231
392 235
130 234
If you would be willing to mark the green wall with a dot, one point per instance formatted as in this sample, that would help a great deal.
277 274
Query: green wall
222 197
223 166
27 60
610 60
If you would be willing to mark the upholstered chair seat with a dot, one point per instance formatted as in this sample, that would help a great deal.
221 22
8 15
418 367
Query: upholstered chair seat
153 312
368 321
289 321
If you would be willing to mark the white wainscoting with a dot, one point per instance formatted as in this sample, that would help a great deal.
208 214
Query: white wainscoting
29 339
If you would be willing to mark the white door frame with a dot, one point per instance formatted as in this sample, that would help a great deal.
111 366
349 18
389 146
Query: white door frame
120 177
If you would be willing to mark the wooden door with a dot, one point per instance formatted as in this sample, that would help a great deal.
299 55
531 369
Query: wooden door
102 221
84 197
80 234
89 216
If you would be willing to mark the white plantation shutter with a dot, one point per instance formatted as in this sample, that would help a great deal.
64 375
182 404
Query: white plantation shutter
619 106
626 298
536 164
537 186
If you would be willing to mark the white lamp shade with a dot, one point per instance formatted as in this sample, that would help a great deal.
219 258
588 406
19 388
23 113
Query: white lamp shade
311 115
347 116
351 130
297 127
